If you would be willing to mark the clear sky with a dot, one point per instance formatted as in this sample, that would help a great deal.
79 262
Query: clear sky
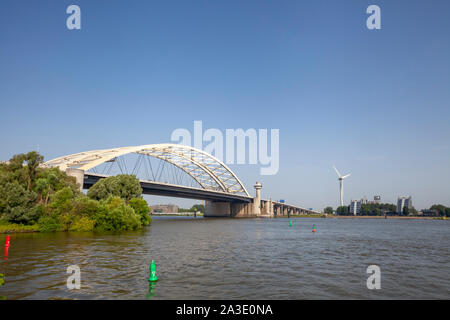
374 102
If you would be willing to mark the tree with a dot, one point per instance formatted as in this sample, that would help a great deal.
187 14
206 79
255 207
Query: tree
441 209
17 203
342 210
405 211
328 210
142 209
33 160
198 207
116 215
30 194
124 186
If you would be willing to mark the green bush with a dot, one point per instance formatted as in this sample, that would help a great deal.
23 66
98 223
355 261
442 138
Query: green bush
82 224
47 199
117 216
142 209
48 224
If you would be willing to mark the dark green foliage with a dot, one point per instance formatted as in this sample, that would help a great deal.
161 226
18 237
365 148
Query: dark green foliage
377 209
17 203
194 208
343 210
198 207
116 215
441 209
142 209
48 224
30 194
124 186
405 211
328 210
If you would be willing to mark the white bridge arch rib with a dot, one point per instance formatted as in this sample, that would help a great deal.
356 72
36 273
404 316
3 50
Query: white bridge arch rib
208 171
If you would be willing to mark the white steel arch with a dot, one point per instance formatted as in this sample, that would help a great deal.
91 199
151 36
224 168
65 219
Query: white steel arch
208 171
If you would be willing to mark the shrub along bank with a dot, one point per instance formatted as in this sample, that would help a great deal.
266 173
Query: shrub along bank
33 198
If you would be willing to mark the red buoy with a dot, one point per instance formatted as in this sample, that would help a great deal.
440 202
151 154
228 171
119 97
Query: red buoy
8 240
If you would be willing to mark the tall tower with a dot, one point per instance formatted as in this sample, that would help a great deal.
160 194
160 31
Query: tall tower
257 199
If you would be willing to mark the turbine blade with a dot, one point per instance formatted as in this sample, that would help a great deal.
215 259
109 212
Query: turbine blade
348 175
339 175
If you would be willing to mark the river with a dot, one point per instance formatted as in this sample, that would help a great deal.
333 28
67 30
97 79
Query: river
201 258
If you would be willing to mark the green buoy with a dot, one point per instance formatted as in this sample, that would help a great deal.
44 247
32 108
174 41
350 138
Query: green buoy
290 223
152 277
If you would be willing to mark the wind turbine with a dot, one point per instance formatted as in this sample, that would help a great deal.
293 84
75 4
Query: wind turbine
341 184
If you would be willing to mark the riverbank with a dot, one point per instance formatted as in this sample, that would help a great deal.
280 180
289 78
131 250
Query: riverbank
183 214
362 217
17 228
387 217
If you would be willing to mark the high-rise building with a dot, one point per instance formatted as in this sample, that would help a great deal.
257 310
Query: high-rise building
355 207
402 202
377 199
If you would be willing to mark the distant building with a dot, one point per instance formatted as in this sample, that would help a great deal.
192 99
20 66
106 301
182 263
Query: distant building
428 213
165 208
376 200
402 202
355 207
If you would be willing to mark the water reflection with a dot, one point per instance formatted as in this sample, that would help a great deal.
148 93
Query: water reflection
151 290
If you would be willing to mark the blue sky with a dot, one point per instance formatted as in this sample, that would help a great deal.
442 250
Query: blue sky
374 102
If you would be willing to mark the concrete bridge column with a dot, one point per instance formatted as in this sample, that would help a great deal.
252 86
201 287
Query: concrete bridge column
217 209
78 174
257 199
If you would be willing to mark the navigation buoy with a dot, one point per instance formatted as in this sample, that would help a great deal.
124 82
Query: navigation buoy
152 277
290 223
8 240
314 228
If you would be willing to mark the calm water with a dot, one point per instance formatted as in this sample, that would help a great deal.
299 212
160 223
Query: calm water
236 259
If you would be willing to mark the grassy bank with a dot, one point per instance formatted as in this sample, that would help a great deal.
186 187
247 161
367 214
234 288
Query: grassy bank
6 227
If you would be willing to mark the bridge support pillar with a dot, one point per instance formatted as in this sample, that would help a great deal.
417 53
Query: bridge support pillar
217 209
257 199
78 174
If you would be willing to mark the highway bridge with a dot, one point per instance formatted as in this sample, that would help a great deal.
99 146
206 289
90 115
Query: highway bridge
208 178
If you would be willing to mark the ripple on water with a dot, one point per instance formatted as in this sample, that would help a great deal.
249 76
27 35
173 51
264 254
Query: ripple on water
236 259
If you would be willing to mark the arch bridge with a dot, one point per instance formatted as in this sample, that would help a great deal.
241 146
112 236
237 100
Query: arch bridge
193 174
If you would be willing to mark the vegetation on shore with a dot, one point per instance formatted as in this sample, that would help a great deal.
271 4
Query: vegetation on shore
381 209
33 198
194 208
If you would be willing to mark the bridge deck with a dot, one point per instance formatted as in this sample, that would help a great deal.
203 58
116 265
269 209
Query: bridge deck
171 190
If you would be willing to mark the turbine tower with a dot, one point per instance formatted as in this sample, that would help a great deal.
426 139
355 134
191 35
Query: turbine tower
341 184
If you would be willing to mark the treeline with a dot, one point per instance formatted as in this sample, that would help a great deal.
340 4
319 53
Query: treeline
194 208
380 209
49 200
441 210
370 209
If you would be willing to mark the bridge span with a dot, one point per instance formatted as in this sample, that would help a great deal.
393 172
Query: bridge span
213 181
